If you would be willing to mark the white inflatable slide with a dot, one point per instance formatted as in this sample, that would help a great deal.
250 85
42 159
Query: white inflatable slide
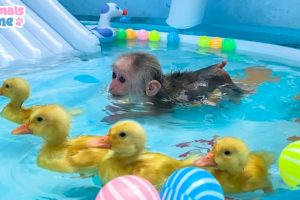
49 29
186 13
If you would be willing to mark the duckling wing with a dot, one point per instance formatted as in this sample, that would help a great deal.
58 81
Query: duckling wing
81 156
86 158
27 112
155 167
31 109
256 170
267 157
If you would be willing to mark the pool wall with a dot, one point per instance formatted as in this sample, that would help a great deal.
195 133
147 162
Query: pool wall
278 53
276 13
267 21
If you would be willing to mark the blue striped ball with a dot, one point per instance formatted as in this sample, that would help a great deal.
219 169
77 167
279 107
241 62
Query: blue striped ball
191 183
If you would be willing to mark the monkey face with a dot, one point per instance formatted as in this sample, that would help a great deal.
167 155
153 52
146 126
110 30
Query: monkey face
135 74
121 83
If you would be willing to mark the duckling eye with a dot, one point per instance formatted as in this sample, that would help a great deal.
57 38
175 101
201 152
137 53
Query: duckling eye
39 119
7 86
122 135
227 153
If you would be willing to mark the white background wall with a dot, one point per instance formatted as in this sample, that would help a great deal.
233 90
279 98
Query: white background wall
281 13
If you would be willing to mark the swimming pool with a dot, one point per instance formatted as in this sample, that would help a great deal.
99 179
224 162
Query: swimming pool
264 119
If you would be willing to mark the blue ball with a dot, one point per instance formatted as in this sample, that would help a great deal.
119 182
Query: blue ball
173 38
107 39
125 19
192 183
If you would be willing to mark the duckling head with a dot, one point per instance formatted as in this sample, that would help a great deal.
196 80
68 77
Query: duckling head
16 89
228 154
125 139
51 122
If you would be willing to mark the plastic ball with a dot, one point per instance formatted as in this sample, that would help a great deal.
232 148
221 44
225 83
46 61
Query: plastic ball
289 164
142 35
204 41
125 19
192 183
130 43
128 187
215 43
228 45
130 34
120 43
154 36
154 45
107 39
120 34
173 38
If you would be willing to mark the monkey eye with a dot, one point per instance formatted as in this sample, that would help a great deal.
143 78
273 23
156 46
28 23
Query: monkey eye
122 79
114 75
227 153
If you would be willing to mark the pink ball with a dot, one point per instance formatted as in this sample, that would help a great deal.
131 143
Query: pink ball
128 187
142 35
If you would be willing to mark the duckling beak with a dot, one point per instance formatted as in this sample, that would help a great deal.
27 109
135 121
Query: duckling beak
0 91
100 143
206 161
23 129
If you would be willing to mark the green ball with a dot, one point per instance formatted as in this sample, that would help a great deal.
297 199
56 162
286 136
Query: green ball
289 164
153 45
203 41
154 36
229 45
121 34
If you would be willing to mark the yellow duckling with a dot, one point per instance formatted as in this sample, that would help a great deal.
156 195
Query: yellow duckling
17 90
52 123
237 169
126 143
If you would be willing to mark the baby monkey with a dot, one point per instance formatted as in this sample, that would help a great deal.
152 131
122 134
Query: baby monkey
140 73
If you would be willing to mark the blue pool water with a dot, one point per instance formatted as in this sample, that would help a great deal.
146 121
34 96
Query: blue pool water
264 119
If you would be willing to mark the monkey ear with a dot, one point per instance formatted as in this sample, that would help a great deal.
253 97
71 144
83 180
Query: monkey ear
152 88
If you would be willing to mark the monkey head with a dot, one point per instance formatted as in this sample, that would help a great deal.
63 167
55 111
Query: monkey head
136 73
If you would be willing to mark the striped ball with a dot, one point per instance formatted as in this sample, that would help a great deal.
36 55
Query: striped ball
289 164
128 187
191 183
